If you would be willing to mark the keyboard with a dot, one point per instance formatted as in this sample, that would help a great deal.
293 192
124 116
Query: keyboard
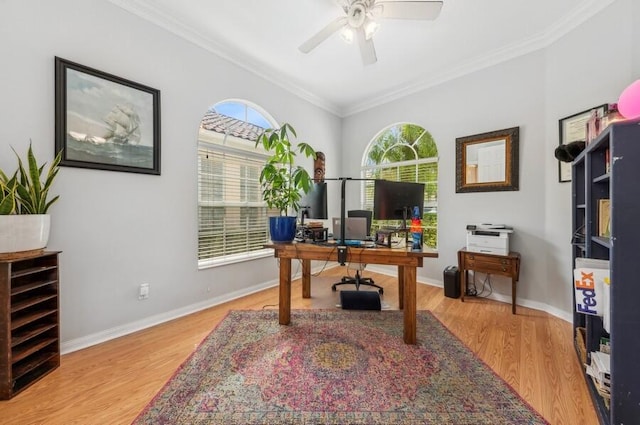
359 243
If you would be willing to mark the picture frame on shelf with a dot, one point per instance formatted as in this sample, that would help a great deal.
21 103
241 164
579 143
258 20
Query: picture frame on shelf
105 122
573 128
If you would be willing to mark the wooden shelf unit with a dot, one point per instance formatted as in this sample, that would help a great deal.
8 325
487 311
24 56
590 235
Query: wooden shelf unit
592 180
29 320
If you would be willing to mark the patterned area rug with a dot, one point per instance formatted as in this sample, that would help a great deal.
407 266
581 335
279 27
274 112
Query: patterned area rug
334 367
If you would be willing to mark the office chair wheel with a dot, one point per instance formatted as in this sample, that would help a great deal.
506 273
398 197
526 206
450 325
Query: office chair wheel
381 291
333 288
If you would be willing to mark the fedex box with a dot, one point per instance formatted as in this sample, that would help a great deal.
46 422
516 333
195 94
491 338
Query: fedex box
591 285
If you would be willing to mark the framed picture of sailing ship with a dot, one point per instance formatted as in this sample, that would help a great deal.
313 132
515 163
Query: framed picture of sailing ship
106 122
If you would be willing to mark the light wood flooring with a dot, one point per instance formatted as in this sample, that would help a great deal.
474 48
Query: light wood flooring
112 382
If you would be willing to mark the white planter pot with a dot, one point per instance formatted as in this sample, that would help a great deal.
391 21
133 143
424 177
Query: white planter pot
24 232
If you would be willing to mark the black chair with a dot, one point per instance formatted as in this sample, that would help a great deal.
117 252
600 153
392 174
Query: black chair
358 279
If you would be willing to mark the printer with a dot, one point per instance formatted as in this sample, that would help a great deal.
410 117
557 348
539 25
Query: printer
488 238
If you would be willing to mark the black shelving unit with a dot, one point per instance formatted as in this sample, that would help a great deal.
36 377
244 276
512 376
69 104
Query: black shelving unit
609 168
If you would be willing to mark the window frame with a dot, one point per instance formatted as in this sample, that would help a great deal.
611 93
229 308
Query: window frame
226 144
369 169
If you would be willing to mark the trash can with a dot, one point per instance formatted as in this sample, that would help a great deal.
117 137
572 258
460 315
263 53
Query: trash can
452 282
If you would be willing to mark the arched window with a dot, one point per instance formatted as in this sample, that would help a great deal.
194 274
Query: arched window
232 217
408 153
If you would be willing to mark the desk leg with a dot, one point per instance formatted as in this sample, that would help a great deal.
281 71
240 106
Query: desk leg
463 284
306 278
513 296
285 291
410 305
401 287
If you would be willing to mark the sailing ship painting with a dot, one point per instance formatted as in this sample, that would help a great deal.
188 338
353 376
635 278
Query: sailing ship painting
110 125
124 125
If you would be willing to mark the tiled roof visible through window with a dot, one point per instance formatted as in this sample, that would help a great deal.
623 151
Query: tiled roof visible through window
223 124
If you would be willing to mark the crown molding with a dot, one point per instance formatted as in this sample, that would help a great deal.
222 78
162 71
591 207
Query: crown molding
147 11
520 48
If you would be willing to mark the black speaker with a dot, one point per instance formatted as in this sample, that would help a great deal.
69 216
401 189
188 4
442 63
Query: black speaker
360 300
452 282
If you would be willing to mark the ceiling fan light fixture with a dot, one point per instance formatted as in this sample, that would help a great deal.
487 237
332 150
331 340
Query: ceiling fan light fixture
361 21
347 34
370 28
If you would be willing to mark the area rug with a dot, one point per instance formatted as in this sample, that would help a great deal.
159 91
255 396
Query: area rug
334 367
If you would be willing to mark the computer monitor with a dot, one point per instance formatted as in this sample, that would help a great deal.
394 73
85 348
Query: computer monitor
314 204
396 200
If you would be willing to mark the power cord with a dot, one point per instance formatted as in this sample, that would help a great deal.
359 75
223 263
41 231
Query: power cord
472 290
485 282
471 287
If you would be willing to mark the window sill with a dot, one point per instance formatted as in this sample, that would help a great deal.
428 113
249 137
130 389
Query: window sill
232 259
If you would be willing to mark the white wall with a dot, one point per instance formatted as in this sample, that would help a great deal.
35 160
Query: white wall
587 67
490 99
117 230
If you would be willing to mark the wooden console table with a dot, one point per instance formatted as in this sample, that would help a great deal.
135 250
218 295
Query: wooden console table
406 260
503 265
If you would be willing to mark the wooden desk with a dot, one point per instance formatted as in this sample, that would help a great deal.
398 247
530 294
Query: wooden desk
406 260
503 265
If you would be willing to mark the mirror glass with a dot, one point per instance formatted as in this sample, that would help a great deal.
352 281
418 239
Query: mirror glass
488 161
485 162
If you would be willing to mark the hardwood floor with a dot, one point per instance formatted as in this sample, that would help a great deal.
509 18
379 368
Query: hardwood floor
112 382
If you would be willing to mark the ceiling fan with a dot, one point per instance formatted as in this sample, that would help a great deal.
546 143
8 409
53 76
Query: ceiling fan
361 21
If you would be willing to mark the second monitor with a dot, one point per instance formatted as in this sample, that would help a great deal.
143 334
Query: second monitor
396 200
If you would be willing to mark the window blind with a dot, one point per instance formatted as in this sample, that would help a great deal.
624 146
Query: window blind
232 218
420 171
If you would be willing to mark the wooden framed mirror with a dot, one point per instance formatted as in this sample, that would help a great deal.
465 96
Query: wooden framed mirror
487 162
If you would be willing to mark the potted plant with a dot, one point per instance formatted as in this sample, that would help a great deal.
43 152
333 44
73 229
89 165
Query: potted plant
24 203
283 183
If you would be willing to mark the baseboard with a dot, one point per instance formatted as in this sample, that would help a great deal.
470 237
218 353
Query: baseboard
536 305
147 322
128 328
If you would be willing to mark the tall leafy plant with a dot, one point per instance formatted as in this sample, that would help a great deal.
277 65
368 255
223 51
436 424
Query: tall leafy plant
281 180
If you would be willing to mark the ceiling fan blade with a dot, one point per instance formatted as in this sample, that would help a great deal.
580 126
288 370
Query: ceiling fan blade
323 34
367 50
426 10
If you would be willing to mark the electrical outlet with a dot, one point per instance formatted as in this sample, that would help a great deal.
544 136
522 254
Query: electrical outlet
143 292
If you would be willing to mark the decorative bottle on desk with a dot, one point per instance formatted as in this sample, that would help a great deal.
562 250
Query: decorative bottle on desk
416 230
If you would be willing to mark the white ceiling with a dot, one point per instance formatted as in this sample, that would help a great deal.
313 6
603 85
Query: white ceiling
263 36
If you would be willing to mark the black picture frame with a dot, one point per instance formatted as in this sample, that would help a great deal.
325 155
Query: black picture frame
507 141
105 122
571 129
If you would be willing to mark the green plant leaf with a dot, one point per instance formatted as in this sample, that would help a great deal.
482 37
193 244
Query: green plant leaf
7 194
31 192
8 205
308 151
